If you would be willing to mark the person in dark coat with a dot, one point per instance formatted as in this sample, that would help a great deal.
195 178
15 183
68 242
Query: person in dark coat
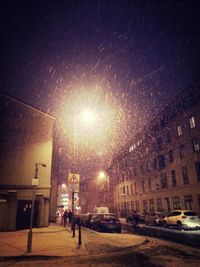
65 215
70 215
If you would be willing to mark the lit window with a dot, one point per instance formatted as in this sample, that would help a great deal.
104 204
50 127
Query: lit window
192 122
195 145
179 130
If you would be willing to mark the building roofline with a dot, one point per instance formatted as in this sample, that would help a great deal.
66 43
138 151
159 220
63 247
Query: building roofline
26 105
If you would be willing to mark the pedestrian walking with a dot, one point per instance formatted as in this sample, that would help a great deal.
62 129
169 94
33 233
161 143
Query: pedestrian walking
70 215
65 215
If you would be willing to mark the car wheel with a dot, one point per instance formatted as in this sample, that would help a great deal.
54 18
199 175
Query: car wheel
179 225
165 224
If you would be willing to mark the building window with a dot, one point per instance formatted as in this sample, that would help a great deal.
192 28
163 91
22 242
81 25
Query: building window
128 206
197 166
143 188
170 155
127 190
145 207
188 202
159 204
132 206
181 151
185 175
168 137
179 130
148 166
173 175
176 203
192 122
163 180
157 183
155 164
135 188
195 145
151 208
137 207
149 184
159 143
131 189
198 199
161 162
142 169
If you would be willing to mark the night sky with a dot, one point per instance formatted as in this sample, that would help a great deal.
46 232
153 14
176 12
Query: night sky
139 53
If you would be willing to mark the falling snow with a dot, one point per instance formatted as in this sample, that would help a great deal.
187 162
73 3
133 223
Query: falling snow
126 60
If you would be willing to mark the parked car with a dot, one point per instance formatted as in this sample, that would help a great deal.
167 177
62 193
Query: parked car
155 218
82 218
87 219
135 218
183 219
106 222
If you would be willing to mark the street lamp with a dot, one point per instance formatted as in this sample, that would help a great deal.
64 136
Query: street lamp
34 184
86 117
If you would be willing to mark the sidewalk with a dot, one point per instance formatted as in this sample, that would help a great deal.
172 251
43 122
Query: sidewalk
57 241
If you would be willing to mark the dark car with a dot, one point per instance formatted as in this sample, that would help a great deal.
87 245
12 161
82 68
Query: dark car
135 218
106 222
155 218
87 219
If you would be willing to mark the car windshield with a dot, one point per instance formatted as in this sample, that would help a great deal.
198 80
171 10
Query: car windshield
190 213
109 217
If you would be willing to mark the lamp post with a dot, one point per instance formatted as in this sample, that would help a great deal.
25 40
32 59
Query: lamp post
34 184
87 117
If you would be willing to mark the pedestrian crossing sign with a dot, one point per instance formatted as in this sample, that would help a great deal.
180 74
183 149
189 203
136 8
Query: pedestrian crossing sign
74 181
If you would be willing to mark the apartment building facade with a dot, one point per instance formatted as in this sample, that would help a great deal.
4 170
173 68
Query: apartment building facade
160 169
26 144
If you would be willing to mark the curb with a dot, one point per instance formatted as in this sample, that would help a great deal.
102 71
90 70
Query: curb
118 252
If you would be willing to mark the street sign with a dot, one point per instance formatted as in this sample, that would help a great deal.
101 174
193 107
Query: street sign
74 181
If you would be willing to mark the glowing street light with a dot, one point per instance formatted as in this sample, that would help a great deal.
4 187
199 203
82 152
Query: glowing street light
88 116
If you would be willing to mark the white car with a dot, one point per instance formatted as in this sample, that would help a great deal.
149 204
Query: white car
183 219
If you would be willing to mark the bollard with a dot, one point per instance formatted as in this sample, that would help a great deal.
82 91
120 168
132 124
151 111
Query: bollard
79 234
